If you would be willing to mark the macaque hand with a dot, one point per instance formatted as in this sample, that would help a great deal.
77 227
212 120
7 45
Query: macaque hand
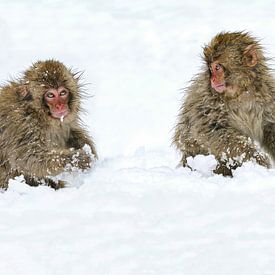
80 159
262 159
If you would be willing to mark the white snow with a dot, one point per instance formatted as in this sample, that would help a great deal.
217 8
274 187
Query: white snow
135 212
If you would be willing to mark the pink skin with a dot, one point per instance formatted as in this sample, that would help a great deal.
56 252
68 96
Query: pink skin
217 77
57 101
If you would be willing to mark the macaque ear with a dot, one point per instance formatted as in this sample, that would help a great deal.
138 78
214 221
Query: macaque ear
23 92
207 51
251 56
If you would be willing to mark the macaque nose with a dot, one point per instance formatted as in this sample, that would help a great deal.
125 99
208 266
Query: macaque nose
59 106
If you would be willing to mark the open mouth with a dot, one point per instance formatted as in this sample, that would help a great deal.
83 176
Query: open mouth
60 115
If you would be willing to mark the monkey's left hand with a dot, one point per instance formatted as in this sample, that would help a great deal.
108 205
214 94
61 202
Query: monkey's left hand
224 170
81 160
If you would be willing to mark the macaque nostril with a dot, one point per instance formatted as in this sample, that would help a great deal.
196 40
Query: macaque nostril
59 106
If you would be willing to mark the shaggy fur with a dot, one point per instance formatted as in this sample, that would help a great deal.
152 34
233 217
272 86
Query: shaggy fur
33 143
228 124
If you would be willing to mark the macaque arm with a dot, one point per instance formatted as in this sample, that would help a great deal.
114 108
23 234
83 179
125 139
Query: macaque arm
269 138
229 146
37 161
78 138
231 149
188 146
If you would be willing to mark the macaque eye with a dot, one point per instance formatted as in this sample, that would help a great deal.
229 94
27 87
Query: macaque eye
50 95
218 67
63 92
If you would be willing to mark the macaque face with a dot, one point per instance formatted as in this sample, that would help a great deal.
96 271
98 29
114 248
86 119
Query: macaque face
57 100
217 77
227 69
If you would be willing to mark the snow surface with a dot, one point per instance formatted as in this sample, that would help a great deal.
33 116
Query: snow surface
135 213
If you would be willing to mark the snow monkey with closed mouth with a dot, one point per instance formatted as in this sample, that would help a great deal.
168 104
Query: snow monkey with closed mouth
229 108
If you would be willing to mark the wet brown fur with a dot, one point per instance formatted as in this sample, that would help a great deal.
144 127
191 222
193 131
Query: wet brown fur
227 125
32 142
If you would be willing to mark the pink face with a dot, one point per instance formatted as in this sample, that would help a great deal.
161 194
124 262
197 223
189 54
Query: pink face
217 77
57 100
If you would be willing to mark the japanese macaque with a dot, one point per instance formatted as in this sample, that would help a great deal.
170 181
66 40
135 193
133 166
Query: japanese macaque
229 108
40 130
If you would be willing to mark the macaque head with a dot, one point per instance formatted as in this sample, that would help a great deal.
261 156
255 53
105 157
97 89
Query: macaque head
232 60
52 88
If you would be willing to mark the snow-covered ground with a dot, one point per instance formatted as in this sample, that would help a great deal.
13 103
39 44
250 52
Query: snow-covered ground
135 213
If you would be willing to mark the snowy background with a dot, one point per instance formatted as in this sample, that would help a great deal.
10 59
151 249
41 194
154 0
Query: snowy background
135 213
